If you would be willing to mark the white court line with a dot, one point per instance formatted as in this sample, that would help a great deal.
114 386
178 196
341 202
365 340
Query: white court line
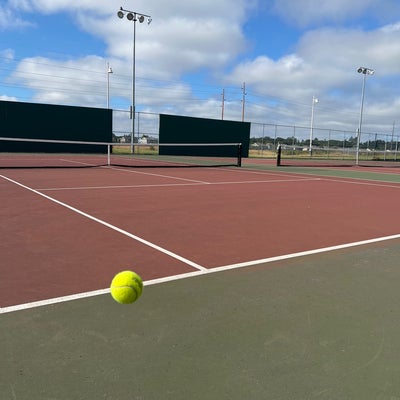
120 186
113 227
178 184
266 181
247 169
136 172
204 271
365 182
158 175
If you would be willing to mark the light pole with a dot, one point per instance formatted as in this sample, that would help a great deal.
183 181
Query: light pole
133 16
314 101
109 71
243 99
364 71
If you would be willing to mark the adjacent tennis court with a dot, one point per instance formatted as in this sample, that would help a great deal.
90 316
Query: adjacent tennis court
260 282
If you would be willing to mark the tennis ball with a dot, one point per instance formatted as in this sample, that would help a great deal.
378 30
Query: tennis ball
126 287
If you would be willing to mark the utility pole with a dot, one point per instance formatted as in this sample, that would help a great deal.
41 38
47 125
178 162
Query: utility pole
243 99
391 144
223 103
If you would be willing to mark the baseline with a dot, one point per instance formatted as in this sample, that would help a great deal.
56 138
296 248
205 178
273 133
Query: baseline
203 271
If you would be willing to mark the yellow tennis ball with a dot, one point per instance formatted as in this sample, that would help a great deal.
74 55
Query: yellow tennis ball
126 287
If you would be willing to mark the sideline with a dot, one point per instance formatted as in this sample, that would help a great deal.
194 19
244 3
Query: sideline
108 225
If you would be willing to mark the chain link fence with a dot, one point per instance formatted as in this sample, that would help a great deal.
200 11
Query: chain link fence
264 138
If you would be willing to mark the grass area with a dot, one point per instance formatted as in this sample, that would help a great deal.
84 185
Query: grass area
262 154
138 149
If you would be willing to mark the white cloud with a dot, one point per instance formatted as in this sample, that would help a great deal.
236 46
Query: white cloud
183 37
391 28
325 63
8 98
7 55
52 81
54 6
169 47
188 37
349 49
310 12
10 20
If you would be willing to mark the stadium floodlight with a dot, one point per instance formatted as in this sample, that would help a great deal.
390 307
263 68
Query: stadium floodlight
133 16
364 71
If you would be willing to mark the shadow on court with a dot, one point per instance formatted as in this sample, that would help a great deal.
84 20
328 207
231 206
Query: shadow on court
323 326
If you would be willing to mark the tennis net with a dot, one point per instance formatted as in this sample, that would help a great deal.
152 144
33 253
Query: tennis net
336 157
46 153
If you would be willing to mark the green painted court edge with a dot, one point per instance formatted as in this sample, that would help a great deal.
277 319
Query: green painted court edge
331 172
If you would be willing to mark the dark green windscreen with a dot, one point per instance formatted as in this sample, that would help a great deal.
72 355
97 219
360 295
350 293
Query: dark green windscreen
55 122
178 129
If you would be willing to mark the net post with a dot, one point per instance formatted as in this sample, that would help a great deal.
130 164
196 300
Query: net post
239 159
278 155
108 154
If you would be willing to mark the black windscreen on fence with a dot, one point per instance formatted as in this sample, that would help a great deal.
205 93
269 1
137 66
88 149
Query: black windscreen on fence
179 129
52 122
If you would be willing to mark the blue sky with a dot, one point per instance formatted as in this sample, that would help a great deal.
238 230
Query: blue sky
286 51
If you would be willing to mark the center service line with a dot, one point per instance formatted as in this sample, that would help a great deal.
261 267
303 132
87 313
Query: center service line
115 228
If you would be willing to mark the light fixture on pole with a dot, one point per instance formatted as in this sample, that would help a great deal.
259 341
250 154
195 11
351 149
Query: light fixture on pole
133 16
109 71
364 71
314 101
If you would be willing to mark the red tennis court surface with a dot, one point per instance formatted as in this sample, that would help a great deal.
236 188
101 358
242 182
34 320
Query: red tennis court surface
66 231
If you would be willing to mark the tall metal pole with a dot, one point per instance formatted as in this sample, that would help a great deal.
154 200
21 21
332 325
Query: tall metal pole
223 103
314 100
243 99
133 81
360 120
109 71
364 71
133 16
